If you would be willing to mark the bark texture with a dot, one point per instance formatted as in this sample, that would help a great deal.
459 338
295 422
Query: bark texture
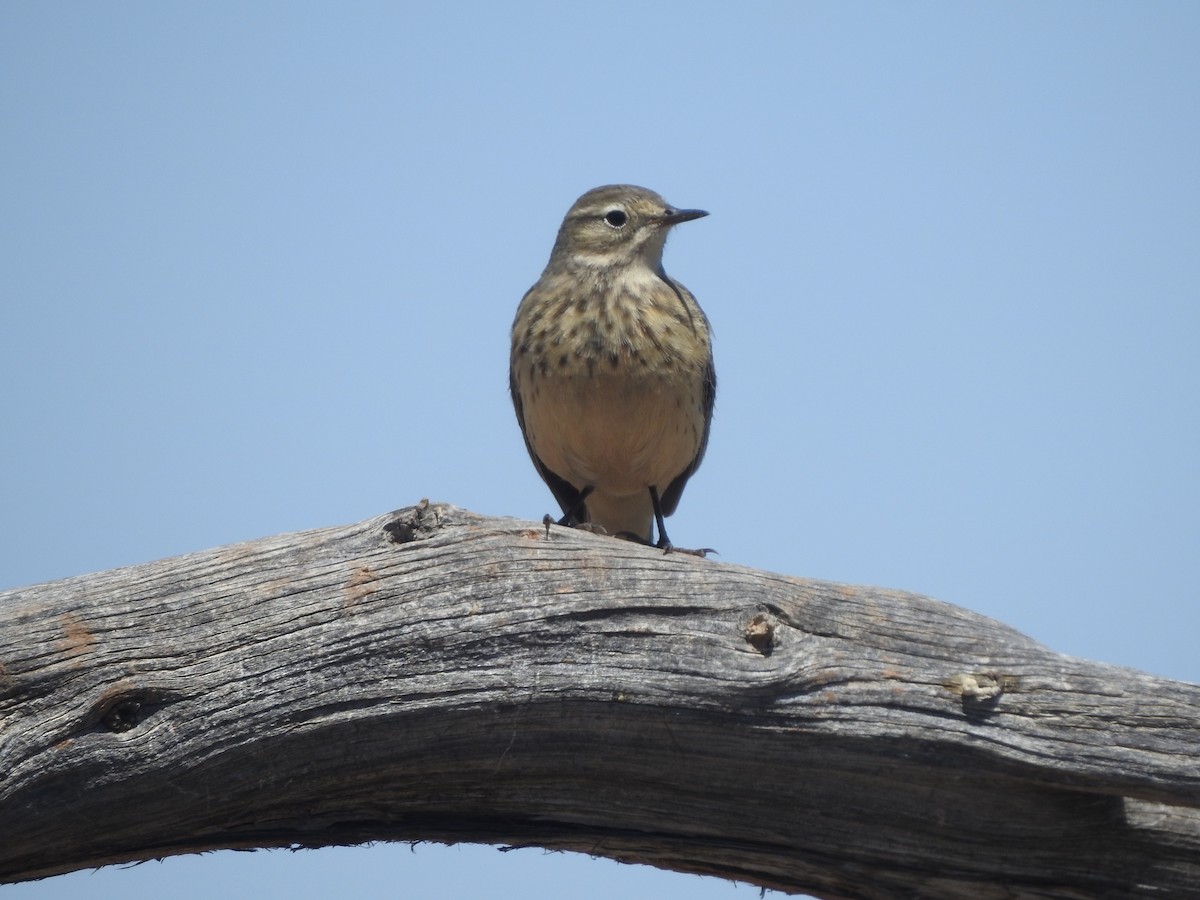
435 675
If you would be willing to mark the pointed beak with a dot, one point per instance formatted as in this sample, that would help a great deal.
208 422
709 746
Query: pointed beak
675 216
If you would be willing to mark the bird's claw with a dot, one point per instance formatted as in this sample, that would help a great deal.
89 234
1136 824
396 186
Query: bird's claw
701 552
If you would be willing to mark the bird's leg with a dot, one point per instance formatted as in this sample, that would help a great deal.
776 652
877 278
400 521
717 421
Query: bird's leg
569 516
664 542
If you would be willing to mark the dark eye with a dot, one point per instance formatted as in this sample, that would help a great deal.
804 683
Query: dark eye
616 218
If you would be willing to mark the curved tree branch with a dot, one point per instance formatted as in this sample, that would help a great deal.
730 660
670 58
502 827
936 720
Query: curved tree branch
434 675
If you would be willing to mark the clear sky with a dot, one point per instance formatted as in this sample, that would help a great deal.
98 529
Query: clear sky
258 264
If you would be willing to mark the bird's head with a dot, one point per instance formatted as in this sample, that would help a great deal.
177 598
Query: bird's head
617 225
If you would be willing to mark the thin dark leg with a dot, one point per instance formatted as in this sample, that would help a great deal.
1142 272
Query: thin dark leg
664 542
569 516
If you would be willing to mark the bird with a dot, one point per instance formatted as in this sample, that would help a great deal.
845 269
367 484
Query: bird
611 367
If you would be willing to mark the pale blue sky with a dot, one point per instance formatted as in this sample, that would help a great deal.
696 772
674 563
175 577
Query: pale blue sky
259 260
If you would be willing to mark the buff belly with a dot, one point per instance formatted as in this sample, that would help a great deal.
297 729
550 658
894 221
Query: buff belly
616 434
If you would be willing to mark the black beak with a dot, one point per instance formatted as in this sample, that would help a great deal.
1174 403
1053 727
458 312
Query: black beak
675 216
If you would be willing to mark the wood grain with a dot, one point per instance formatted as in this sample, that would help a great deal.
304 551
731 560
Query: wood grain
436 675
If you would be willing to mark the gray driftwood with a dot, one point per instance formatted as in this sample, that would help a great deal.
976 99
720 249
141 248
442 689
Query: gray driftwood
434 675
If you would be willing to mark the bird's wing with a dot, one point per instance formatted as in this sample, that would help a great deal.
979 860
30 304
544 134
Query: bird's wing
670 497
566 494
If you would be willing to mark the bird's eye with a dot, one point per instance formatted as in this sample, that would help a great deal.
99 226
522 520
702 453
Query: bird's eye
616 218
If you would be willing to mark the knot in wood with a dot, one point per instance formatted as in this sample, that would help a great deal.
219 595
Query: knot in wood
413 523
980 692
760 633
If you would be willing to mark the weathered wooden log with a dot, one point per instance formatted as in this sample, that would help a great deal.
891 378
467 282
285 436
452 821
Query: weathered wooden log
435 675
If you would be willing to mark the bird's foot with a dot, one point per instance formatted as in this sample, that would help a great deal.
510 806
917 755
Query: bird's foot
701 552
590 527
664 545
569 522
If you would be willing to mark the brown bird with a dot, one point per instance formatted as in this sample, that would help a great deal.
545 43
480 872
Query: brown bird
611 370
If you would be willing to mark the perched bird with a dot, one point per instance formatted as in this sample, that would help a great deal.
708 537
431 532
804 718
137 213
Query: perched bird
611 369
